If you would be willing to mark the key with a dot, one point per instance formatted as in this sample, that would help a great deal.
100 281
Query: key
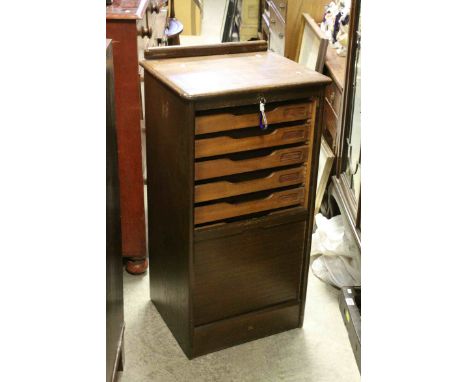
263 119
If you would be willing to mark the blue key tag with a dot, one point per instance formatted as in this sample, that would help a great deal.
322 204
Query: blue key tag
262 117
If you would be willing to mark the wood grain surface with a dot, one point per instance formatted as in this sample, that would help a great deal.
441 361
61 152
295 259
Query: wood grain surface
225 188
254 269
247 327
114 278
209 76
128 113
169 153
228 121
229 261
163 52
226 166
224 210
336 66
274 137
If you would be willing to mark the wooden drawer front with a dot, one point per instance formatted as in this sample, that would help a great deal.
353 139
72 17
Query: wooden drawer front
226 166
274 137
226 188
226 121
226 210
333 96
250 270
240 329
280 6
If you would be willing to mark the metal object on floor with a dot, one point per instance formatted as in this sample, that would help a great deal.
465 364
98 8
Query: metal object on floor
350 307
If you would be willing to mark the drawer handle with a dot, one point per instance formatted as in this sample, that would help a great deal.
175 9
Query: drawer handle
280 35
281 196
332 96
282 5
289 197
273 21
291 177
294 155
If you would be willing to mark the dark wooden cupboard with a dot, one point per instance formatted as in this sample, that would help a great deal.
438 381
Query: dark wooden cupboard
125 25
114 283
230 206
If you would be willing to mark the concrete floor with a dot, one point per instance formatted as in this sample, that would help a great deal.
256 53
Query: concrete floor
319 352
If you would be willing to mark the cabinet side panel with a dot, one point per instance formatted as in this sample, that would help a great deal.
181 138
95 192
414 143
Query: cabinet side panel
169 151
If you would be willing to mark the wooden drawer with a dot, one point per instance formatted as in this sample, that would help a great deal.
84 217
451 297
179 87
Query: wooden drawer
246 271
333 96
225 210
251 139
213 123
228 188
227 166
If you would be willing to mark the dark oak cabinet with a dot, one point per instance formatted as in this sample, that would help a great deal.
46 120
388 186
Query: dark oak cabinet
230 205
114 283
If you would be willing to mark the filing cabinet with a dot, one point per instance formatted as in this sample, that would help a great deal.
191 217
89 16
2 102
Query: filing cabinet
230 205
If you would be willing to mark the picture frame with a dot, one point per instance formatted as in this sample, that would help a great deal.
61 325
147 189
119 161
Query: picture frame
312 47
326 160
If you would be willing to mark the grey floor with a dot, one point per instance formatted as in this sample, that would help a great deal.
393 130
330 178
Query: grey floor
319 352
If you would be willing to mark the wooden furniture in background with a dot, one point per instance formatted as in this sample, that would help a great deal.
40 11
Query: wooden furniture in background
312 46
346 185
230 206
114 284
281 22
335 68
124 23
